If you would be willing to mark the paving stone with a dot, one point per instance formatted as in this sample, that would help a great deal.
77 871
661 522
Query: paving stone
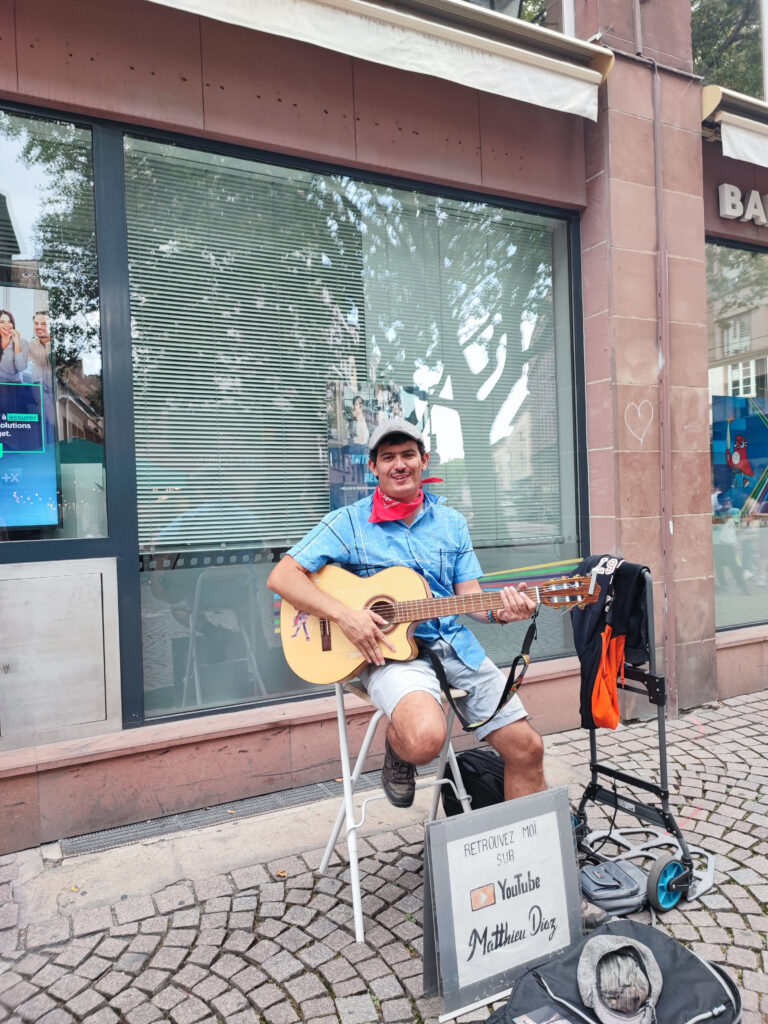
57 1016
48 933
137 909
400 1010
227 965
68 986
111 983
85 1002
49 974
356 1009
281 1013
175 897
229 1003
203 955
156 925
111 948
168 958
211 987
305 986
97 919
247 878
17 994
186 918
316 954
151 980
248 979
93 967
238 941
265 996
36 1007
213 886
128 999
105 1015
147 1013
131 963
189 1011
30 965
169 997
283 966
386 987
181 937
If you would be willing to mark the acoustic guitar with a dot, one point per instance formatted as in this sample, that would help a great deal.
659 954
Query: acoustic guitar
317 650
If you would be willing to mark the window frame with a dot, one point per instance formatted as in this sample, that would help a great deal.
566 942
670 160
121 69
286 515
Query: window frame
122 540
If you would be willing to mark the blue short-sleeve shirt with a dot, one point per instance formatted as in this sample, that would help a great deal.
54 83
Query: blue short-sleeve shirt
436 544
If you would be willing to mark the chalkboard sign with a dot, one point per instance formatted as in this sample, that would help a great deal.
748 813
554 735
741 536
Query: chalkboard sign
501 893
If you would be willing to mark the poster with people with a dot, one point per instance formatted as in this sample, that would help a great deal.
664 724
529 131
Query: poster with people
740 491
353 415
29 486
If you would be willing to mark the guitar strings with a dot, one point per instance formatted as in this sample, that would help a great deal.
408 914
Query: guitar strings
412 611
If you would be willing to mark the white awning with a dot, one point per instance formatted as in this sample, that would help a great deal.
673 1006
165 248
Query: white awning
743 139
400 39
739 122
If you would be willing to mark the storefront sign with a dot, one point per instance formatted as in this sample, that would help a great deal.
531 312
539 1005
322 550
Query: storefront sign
501 888
745 207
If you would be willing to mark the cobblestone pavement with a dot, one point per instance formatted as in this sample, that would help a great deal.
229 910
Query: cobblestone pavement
273 943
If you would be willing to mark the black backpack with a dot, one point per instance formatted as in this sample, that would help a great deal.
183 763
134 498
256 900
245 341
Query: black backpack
482 772
692 988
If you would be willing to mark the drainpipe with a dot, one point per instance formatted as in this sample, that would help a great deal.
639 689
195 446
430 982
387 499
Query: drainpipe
662 337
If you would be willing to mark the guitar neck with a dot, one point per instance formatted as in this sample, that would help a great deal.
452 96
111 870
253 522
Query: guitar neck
459 604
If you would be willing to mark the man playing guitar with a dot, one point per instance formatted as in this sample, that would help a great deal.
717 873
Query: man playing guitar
402 525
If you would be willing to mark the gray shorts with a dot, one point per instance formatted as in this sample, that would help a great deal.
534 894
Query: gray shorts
386 685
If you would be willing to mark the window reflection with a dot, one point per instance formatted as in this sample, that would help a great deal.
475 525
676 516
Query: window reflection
51 403
737 299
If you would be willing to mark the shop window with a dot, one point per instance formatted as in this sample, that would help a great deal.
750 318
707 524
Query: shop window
736 335
52 480
739 414
278 316
727 44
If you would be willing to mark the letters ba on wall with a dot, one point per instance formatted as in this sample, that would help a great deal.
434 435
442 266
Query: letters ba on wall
504 891
747 206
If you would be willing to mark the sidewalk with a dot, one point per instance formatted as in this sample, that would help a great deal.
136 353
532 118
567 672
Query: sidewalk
231 923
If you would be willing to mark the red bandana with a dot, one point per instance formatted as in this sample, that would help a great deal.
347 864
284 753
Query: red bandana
387 509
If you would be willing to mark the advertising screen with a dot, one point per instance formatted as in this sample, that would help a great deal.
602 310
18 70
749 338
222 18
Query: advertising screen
29 484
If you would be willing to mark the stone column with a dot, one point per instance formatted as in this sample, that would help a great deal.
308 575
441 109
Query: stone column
645 328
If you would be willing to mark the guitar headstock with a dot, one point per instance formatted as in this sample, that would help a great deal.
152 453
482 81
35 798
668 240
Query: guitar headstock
569 592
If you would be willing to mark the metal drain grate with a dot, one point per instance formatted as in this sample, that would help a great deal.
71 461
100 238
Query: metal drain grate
124 835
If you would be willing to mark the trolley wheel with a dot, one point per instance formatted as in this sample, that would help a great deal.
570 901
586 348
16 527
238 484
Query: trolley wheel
664 870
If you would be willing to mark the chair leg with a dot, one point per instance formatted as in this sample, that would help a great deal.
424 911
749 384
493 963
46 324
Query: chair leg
349 811
448 754
358 771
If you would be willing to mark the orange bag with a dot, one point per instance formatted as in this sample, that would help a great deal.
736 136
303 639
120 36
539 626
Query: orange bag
605 693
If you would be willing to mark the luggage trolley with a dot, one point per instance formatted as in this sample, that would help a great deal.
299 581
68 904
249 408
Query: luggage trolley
656 852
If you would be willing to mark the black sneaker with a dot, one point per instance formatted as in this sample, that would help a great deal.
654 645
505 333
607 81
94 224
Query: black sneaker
592 916
398 778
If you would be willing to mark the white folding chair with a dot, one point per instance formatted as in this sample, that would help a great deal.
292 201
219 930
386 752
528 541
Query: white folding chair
350 779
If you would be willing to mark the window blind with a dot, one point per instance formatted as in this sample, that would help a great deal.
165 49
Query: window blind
244 292
255 288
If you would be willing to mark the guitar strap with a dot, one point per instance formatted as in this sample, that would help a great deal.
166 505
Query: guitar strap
514 679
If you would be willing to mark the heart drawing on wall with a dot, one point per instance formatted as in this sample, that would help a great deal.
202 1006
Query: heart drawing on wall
638 418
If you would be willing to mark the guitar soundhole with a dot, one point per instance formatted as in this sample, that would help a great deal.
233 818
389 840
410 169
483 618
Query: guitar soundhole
386 610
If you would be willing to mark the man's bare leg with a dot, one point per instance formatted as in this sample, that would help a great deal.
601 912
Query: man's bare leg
523 751
415 736
417 729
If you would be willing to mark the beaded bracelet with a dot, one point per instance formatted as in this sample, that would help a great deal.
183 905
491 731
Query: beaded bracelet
493 618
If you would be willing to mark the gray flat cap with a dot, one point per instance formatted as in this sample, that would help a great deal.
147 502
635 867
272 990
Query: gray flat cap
396 425
619 980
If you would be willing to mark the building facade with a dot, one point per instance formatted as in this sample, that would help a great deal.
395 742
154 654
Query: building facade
235 237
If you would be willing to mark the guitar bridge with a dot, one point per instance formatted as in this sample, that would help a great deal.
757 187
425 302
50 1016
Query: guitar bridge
325 635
